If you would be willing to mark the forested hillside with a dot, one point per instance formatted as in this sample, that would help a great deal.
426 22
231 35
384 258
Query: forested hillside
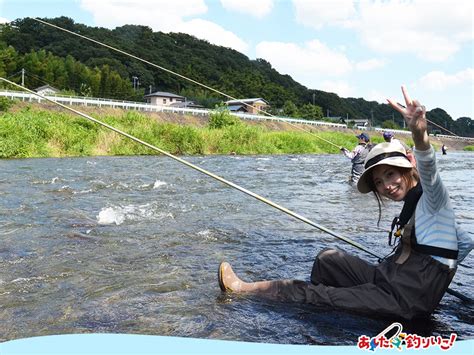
84 68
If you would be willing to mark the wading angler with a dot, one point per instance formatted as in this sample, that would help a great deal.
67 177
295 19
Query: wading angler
411 281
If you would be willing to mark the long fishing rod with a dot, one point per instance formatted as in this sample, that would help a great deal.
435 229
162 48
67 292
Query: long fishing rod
194 81
464 298
435 124
195 167
177 74
224 181
447 130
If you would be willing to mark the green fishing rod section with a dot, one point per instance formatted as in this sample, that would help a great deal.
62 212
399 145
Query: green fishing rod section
30 130
135 139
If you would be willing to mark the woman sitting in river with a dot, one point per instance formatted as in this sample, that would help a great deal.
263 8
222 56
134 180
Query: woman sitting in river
409 283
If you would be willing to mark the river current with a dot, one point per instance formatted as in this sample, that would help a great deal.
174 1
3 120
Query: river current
132 245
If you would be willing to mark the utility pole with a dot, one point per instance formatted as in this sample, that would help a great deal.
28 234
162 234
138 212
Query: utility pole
135 82
150 89
313 97
22 76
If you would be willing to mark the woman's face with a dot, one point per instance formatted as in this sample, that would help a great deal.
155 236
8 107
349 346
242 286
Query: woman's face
389 182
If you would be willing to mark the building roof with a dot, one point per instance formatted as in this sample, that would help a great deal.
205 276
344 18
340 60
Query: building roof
164 94
247 101
44 87
237 107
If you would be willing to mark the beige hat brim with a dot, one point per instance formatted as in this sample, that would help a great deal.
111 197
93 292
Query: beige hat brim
363 185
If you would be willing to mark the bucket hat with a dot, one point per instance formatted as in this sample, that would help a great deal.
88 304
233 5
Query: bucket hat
383 153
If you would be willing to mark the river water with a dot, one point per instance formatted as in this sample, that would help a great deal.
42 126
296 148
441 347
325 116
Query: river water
132 245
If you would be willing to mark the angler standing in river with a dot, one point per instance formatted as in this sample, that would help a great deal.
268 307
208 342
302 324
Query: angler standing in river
358 155
444 149
389 138
408 283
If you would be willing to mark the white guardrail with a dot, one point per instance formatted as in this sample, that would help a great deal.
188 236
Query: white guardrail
142 106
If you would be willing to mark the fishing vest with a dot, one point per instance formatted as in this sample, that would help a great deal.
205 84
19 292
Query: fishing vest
360 158
404 227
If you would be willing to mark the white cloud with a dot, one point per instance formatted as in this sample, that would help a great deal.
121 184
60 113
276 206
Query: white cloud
316 14
3 20
158 14
440 81
253 8
307 64
165 16
431 30
370 64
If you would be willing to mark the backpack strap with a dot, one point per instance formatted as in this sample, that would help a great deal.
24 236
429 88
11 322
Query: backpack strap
409 243
406 241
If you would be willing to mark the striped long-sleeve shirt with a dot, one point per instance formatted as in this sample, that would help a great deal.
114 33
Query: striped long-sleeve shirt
435 223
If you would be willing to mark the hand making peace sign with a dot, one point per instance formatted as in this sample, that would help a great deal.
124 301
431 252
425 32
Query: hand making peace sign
415 116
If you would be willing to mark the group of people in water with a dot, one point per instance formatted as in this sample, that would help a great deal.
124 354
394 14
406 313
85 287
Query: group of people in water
364 146
362 149
408 283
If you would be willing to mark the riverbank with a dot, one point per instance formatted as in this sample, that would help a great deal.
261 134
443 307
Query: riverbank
43 130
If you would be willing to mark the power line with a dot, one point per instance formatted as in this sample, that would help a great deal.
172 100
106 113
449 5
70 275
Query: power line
178 75
195 167
226 182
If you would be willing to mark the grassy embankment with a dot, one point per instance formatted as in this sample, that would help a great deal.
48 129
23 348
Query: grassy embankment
28 132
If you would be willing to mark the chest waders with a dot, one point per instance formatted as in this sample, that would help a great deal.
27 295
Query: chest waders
405 229
358 162
407 284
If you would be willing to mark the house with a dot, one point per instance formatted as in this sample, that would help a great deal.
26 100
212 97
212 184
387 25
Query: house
46 90
162 98
361 122
253 106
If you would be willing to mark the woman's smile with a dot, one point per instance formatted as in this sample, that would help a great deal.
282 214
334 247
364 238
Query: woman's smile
389 182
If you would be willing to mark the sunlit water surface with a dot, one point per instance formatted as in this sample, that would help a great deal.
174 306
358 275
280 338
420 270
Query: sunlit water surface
132 245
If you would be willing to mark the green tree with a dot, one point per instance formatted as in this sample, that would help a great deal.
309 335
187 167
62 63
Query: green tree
311 112
464 126
390 125
218 67
8 59
290 109
440 118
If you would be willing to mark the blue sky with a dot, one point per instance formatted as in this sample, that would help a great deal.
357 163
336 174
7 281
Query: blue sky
362 48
